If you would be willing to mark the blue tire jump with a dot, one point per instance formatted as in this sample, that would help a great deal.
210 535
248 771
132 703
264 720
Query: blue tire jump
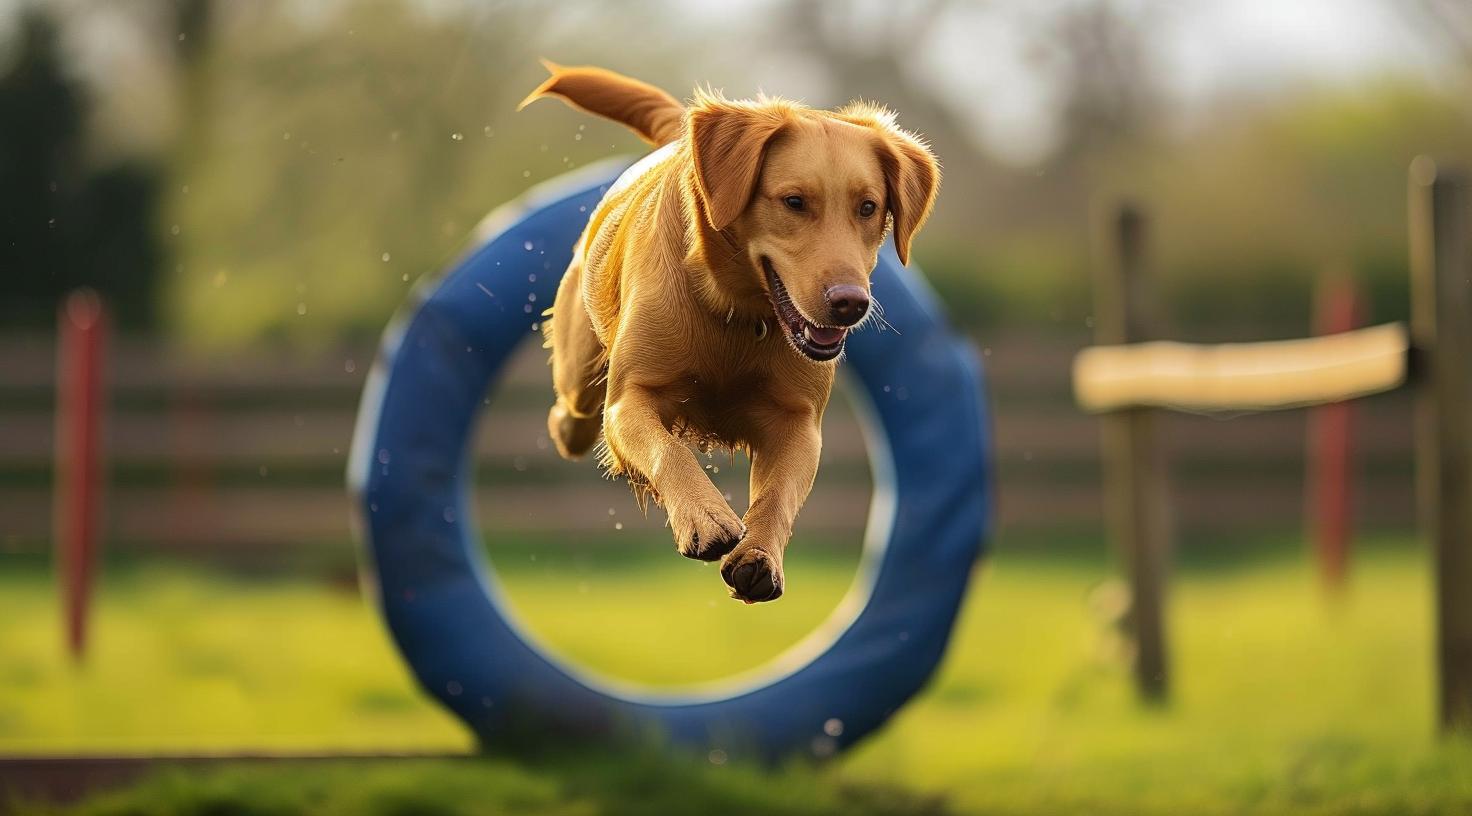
918 391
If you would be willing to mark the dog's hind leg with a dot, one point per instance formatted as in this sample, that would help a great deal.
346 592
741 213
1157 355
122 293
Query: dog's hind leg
577 370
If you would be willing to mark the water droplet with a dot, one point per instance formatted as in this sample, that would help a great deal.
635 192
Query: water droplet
449 515
833 727
618 525
385 256
527 308
489 131
349 366
301 309
526 245
458 136
286 136
174 230
526 174
454 688
717 756
383 456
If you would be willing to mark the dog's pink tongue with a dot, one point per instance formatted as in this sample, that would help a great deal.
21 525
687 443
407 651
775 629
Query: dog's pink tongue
822 335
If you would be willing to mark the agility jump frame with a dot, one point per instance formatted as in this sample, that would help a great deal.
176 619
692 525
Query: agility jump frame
1128 378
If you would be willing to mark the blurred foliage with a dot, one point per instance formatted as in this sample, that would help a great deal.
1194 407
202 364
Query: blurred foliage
65 221
326 158
346 160
1248 208
1256 205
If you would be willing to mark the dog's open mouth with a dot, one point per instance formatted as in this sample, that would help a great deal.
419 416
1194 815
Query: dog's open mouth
818 343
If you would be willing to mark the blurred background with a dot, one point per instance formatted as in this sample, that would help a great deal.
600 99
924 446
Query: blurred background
254 188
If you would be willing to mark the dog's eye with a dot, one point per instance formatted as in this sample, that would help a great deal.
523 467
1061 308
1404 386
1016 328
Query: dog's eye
793 203
867 209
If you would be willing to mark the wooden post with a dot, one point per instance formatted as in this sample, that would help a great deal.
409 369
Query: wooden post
1136 499
1441 325
1329 459
77 507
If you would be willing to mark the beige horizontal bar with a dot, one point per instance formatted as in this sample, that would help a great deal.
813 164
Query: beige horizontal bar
1242 376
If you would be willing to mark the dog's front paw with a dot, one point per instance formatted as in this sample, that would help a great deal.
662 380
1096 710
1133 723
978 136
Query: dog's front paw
753 575
706 532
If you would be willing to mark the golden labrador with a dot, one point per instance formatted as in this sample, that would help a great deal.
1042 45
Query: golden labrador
708 300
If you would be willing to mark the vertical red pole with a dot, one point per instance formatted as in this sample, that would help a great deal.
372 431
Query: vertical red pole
1330 457
77 508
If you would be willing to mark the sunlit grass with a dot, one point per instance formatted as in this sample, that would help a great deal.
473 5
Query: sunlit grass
643 614
1285 700
183 660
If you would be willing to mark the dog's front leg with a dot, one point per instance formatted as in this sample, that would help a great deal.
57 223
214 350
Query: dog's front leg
641 446
784 462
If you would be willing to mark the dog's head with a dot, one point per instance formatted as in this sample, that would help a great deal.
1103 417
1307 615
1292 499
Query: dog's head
808 196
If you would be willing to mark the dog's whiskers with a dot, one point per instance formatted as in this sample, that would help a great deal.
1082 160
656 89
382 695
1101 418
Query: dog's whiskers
875 317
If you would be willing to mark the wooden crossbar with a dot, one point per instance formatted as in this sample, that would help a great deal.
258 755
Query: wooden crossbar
1242 376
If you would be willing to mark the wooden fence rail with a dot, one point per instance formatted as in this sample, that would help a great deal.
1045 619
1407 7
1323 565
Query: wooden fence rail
1129 380
242 456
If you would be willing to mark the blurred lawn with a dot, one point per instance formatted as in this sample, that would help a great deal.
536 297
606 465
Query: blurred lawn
1285 702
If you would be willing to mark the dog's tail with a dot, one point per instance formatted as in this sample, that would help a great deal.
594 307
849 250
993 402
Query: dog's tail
653 114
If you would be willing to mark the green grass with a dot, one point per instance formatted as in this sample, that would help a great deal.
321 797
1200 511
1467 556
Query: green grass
1285 701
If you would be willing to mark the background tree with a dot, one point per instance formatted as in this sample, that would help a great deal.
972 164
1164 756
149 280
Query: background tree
64 223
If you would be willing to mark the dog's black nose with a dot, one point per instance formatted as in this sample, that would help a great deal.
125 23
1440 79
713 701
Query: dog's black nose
847 303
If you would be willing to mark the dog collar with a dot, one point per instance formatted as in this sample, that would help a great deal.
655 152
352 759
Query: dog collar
760 328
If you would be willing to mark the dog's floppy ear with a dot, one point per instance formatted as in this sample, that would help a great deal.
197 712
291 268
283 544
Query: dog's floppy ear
912 179
727 140
911 173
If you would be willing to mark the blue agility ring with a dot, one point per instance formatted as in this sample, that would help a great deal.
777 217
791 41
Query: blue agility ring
918 390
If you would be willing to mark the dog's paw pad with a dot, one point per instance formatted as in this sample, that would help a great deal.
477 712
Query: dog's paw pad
709 536
752 576
572 435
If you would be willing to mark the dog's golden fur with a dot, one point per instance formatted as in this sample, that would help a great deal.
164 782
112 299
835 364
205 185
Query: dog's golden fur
665 330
